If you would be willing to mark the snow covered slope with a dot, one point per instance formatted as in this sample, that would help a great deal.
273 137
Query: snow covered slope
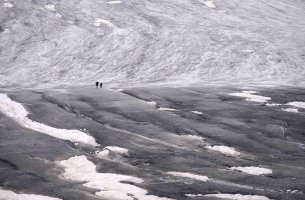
50 43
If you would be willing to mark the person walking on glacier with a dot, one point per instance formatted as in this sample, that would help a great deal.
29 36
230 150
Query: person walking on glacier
96 84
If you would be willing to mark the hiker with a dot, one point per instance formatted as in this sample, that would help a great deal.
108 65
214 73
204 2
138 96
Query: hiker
101 84
96 84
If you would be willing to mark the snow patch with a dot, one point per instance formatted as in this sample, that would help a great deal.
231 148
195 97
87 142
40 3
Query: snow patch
16 111
50 7
8 5
189 175
10 195
253 170
238 196
293 110
98 22
115 149
58 15
210 4
197 112
79 168
224 150
114 2
193 195
192 137
251 96
153 103
167 109
273 104
299 104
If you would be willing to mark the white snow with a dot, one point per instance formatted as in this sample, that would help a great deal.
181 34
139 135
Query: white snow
189 175
10 195
193 195
79 168
251 96
16 111
224 150
210 4
8 5
167 109
299 104
115 149
273 104
114 2
50 7
58 15
238 196
98 22
192 137
197 112
103 154
253 170
293 110
153 103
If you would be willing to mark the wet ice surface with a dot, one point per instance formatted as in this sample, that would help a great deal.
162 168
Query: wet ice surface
212 146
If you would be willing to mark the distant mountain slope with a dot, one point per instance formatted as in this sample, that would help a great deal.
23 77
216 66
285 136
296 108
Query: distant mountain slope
51 43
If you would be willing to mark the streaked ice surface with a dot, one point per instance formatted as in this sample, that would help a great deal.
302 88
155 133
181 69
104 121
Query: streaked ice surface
152 42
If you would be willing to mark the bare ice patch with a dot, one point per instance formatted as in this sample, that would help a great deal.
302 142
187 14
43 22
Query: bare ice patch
167 109
251 96
8 5
98 22
189 175
252 170
113 186
238 196
50 7
229 151
16 111
114 2
10 195
298 104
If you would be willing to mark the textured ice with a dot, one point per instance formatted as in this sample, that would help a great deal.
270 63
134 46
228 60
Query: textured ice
253 170
156 47
16 111
79 168
190 175
10 195
229 151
